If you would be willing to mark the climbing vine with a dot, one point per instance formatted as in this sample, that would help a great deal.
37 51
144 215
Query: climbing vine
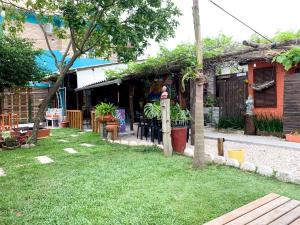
289 58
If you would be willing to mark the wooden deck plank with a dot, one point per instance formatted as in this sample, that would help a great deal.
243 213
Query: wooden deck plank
288 218
276 213
258 212
296 222
243 210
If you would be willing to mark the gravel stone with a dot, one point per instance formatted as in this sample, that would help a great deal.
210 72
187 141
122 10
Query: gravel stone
220 160
265 171
284 176
248 166
232 162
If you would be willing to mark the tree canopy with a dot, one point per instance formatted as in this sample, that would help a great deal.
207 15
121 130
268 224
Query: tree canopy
17 62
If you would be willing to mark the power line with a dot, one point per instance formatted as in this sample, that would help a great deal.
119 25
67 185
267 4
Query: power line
240 21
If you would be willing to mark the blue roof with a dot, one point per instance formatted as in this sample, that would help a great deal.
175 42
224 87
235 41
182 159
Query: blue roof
46 61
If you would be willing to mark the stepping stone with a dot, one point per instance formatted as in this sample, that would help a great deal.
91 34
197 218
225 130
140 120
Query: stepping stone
62 140
74 135
2 173
70 150
44 159
87 145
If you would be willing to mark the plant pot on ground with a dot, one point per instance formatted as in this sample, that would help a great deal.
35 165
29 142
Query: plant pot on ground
179 120
64 124
10 144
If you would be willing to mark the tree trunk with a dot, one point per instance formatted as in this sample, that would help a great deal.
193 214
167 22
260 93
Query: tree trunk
192 110
42 107
131 106
199 152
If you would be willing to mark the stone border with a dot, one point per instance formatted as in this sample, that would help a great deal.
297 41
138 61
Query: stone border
266 171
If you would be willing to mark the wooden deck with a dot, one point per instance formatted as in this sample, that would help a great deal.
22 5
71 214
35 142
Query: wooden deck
272 209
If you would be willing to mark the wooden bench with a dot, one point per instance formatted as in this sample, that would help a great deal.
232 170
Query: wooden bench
271 209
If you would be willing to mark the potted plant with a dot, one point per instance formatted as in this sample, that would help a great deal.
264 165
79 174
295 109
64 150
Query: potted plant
64 123
293 136
105 111
179 122
10 144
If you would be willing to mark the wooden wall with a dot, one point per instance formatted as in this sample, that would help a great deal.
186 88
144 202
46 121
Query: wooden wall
23 101
291 109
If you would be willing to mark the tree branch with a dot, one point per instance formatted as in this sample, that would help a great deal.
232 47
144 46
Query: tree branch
49 47
67 51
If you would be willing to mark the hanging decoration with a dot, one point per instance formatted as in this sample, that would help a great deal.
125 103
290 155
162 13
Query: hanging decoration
263 86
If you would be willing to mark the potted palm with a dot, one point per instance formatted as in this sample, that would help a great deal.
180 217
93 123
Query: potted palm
179 122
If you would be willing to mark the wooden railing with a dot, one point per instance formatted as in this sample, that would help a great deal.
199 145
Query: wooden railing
75 118
9 121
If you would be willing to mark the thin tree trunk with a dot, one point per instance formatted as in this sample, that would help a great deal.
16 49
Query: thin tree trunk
192 110
199 152
42 107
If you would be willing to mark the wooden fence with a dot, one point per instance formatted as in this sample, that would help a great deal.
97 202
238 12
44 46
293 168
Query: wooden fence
75 118
95 124
291 108
8 121
232 93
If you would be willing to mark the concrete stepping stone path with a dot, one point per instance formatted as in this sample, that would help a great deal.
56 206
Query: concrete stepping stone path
44 159
74 135
63 140
2 173
87 145
70 150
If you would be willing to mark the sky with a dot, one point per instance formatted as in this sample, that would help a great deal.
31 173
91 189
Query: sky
265 16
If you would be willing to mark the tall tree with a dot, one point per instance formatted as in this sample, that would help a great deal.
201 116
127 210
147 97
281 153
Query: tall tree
199 152
103 26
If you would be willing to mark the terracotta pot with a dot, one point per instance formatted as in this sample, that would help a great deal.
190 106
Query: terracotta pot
42 133
100 119
292 138
178 136
64 124
107 118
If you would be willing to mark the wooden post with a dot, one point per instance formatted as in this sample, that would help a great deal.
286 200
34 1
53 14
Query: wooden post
166 126
131 108
221 146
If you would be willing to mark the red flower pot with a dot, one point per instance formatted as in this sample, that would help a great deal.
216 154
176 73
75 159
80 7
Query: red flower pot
178 136
64 124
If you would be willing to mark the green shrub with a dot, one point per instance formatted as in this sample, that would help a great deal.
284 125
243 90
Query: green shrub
236 122
268 123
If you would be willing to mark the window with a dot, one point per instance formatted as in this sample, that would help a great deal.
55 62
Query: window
266 97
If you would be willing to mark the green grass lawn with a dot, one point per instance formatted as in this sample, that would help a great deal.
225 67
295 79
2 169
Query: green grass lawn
115 184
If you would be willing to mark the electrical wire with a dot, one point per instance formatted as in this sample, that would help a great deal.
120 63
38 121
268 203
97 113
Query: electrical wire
224 10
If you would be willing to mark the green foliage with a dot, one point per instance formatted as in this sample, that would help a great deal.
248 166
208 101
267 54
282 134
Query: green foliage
17 62
179 115
214 46
289 58
231 123
121 27
184 55
11 142
280 36
152 110
268 123
104 109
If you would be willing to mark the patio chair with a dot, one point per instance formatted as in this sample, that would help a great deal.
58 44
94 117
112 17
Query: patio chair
156 130
143 128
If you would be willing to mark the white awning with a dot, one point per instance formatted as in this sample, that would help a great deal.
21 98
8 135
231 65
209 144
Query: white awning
90 76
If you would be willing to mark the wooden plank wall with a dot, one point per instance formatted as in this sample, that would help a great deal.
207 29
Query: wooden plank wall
23 101
75 118
232 93
291 107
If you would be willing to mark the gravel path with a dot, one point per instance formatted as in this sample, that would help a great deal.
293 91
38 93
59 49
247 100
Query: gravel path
280 159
